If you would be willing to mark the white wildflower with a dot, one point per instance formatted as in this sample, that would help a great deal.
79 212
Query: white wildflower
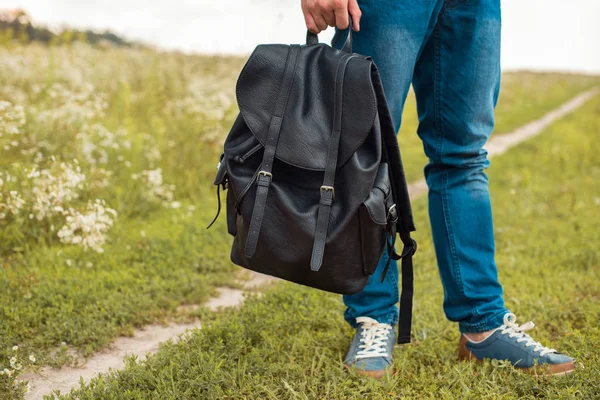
34 173
72 107
100 177
156 189
154 177
13 361
15 348
204 101
12 118
32 358
88 228
153 154
52 188
15 202
97 143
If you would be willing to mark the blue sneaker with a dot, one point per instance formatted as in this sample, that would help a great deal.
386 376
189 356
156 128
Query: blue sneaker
370 353
510 342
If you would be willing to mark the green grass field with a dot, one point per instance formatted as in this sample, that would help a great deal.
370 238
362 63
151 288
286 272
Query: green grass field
290 343
106 163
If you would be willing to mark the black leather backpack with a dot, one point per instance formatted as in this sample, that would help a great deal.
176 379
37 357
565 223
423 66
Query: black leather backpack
316 188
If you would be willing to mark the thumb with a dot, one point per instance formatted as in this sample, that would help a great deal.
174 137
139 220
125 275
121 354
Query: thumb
355 13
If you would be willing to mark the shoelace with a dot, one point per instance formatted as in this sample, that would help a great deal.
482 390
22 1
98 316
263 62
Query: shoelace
374 338
511 329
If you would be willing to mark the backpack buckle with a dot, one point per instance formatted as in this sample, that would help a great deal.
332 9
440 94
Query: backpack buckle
265 174
392 214
327 189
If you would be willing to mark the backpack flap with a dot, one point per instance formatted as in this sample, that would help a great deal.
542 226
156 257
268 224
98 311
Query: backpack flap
308 115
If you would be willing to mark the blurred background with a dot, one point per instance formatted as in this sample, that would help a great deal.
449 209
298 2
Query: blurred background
537 34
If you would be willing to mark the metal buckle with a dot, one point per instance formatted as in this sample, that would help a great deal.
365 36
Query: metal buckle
264 173
328 188
392 214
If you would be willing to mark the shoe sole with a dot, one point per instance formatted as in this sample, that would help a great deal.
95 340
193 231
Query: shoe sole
465 354
370 374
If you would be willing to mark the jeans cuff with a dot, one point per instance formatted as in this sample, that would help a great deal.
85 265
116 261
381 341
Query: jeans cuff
390 318
487 324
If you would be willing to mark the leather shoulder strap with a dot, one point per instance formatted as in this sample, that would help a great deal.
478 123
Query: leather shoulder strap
327 189
264 177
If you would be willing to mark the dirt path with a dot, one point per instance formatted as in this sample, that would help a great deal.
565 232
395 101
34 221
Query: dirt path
147 340
142 342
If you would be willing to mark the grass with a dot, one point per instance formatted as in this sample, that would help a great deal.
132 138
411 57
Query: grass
162 112
289 344
124 115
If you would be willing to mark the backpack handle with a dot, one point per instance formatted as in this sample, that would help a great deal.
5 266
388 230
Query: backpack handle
312 38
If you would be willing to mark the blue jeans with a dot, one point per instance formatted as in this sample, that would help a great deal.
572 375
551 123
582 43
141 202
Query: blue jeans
450 51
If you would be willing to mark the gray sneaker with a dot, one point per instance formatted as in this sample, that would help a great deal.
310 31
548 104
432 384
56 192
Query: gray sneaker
510 342
370 352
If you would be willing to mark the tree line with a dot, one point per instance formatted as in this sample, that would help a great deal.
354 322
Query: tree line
16 25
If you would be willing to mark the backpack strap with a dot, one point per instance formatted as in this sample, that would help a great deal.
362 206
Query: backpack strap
406 298
327 190
264 176
404 223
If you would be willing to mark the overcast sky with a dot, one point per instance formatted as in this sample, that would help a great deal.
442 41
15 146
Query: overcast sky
537 34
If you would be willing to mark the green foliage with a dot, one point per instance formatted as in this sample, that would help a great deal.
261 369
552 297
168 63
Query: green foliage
10 387
145 130
290 343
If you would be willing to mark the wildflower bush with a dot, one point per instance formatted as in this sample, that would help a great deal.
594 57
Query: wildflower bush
72 138
104 191
106 163
10 386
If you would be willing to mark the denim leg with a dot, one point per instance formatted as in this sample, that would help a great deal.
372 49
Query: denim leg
456 81
393 33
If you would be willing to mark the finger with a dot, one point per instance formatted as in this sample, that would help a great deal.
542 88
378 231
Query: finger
354 11
320 21
311 25
341 18
329 18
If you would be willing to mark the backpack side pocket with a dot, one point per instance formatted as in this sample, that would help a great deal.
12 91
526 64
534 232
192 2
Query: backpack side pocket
373 220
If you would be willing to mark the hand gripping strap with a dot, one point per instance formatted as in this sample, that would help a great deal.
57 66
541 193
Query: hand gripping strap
264 177
312 38
327 189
